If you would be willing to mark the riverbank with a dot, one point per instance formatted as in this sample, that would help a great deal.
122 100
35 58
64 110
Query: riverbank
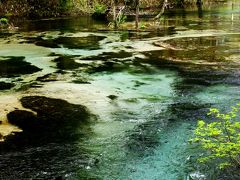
63 8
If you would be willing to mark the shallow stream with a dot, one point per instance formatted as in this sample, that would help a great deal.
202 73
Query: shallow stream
85 102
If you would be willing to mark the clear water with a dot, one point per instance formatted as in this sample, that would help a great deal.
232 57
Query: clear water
144 92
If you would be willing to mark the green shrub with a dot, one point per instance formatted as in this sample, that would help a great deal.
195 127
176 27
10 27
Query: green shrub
99 8
220 139
3 21
121 18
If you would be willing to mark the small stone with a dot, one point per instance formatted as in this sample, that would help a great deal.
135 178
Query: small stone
112 97
88 167
133 170
197 176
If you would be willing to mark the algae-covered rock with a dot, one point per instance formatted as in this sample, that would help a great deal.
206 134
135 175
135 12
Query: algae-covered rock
4 85
89 42
50 120
15 66
66 63
112 97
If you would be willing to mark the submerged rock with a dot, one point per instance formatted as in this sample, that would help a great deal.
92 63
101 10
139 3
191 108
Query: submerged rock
89 42
15 66
197 176
112 97
81 80
47 78
4 85
47 43
110 55
55 120
39 41
66 63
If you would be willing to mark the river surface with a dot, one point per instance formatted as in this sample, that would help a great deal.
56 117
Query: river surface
85 102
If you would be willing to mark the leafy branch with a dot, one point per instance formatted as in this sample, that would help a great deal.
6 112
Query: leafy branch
221 138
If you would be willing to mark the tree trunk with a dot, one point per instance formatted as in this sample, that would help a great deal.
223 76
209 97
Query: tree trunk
137 16
165 4
114 13
199 6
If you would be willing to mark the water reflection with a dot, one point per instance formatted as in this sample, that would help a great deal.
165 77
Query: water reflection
200 10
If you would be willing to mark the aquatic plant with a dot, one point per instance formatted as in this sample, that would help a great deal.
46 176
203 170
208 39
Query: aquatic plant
142 25
119 20
220 138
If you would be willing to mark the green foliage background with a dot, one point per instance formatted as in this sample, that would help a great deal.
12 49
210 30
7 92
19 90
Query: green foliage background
56 8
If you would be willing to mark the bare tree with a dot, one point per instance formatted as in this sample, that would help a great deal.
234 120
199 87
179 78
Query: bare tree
164 6
136 13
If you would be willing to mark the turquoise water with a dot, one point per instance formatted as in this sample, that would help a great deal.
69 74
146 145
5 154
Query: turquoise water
143 93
